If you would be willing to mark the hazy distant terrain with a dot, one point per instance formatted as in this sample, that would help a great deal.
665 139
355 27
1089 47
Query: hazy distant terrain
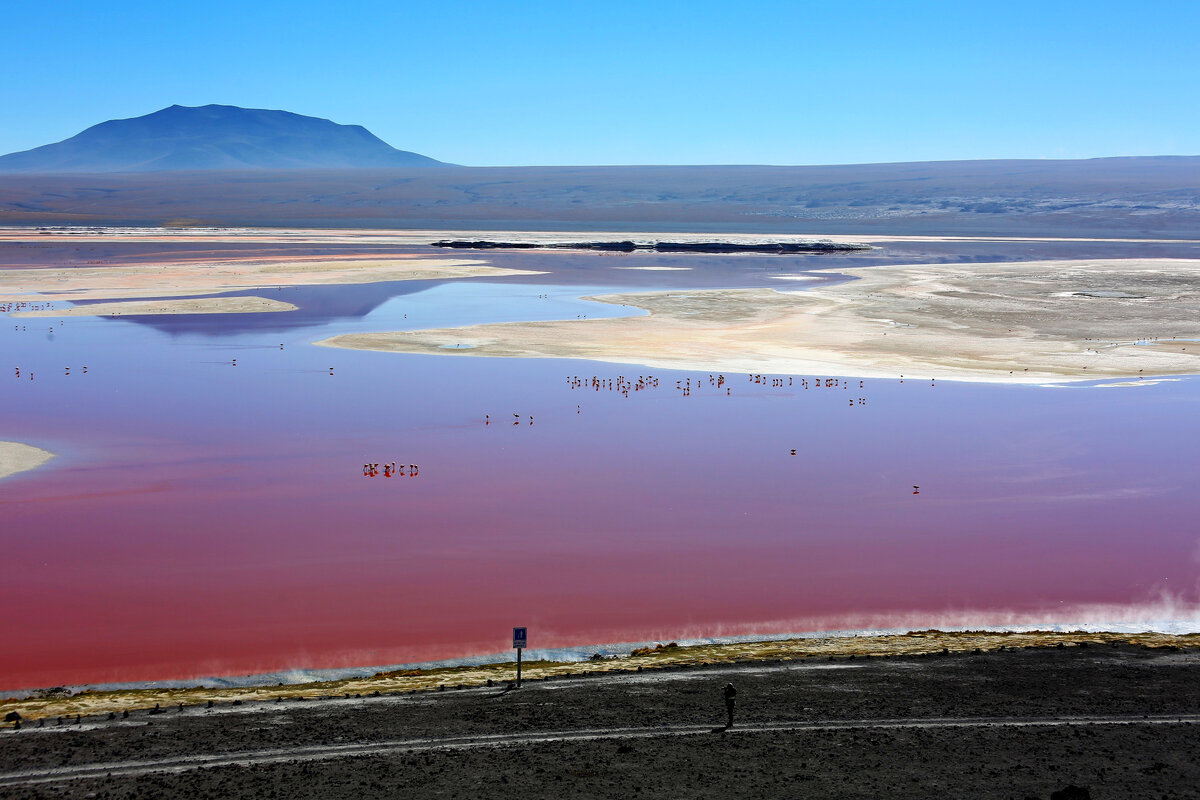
230 166
214 137
1152 196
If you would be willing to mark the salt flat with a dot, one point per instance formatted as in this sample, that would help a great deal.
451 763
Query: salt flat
1030 322
182 277
196 305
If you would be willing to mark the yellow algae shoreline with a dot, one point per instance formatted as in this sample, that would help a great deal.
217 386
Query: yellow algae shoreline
59 702
199 305
176 278
1019 322
16 457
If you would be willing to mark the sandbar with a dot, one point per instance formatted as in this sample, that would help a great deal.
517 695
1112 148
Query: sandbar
192 278
1024 322
193 305
17 457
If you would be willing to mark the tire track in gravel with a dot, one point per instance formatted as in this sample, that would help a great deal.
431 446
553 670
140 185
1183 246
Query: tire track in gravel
393 746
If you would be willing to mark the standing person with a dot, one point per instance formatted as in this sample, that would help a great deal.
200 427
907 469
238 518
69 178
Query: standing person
730 693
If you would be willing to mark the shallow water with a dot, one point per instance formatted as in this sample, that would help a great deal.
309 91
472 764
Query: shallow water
204 518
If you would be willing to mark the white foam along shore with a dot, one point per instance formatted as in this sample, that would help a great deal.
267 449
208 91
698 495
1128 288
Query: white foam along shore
580 653
16 457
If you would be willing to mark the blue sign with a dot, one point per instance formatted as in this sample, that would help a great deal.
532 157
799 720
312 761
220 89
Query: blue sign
519 637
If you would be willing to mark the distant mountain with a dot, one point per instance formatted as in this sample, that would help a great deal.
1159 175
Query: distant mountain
214 138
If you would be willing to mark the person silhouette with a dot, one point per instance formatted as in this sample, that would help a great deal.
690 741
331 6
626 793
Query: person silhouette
730 693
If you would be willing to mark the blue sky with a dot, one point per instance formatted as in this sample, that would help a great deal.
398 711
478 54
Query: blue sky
632 83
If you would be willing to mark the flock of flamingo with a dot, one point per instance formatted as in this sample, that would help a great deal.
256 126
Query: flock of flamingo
390 470
624 386
621 384
23 305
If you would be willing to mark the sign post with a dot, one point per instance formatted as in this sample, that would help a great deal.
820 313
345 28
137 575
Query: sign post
520 639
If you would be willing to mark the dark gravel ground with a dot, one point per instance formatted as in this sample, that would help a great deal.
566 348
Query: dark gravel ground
1138 759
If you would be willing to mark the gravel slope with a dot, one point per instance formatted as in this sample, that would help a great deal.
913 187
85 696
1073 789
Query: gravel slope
834 742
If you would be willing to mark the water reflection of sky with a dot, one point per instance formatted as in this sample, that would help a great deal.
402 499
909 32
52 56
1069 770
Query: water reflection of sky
206 518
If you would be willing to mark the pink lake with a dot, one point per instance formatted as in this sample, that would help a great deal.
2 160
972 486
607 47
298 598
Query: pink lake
210 519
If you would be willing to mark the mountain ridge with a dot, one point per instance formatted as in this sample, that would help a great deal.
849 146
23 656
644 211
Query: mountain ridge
214 137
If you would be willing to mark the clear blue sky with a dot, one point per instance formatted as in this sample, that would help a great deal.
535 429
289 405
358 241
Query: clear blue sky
756 81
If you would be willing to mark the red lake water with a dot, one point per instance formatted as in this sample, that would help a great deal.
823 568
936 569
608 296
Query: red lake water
211 518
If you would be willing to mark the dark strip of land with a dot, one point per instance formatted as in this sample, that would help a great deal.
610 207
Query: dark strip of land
628 246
